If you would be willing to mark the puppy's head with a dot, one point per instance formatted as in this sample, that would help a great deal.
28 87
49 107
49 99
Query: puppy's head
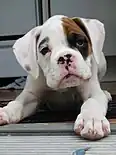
62 47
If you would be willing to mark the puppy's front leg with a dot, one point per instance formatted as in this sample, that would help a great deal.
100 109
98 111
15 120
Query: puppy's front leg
91 122
24 105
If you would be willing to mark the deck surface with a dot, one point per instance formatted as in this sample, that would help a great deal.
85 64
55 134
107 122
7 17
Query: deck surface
51 139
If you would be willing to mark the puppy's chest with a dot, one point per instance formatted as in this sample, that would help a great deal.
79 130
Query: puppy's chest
67 99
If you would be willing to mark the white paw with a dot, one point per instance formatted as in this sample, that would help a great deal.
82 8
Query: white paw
92 128
4 118
11 113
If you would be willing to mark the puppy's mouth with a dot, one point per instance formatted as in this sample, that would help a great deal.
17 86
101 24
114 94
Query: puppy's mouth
69 77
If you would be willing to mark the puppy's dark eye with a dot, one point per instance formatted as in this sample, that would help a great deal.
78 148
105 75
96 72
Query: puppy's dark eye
80 42
76 40
44 50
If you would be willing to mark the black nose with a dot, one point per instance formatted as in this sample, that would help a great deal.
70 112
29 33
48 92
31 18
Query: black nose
61 60
66 59
68 56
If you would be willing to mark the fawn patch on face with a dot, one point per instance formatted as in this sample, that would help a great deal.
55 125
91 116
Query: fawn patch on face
76 36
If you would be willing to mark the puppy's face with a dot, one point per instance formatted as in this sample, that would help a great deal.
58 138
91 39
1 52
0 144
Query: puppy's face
64 52
63 48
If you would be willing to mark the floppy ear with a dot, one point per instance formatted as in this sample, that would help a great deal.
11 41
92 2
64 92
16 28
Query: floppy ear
25 51
94 29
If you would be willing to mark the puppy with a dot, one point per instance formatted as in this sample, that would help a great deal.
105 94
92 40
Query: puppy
62 55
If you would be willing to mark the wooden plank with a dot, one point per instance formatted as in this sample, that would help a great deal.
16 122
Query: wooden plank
42 129
112 121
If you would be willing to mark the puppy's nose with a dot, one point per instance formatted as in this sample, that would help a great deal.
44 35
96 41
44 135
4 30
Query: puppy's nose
64 59
68 56
61 60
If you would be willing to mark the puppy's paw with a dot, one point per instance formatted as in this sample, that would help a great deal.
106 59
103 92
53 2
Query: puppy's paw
4 118
11 113
92 128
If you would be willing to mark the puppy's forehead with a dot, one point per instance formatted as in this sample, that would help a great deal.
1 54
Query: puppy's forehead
69 26
64 23
53 30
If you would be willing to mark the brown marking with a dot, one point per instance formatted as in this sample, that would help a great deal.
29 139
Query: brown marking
70 26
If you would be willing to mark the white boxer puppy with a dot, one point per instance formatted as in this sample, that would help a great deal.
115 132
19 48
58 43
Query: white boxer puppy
62 54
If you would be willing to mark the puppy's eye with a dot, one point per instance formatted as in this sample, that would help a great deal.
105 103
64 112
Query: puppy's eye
80 42
44 50
76 40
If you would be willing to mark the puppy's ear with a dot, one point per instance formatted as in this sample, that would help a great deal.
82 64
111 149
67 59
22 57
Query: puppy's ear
25 50
95 31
